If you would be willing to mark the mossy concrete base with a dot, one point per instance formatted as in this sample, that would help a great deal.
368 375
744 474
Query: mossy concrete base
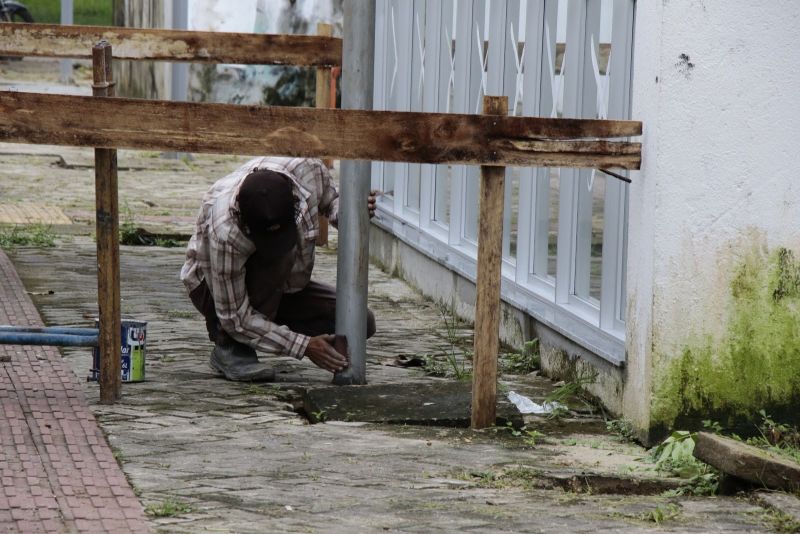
753 366
445 403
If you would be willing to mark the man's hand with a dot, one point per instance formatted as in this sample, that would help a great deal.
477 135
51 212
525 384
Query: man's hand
372 202
320 351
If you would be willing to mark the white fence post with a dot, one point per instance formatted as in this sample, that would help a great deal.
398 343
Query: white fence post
574 242
612 293
470 27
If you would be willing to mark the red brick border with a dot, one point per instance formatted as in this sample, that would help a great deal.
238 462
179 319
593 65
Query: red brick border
57 472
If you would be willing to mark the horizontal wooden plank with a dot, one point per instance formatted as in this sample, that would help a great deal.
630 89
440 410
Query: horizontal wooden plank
309 132
52 40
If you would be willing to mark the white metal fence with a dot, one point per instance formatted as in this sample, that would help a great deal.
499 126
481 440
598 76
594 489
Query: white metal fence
565 230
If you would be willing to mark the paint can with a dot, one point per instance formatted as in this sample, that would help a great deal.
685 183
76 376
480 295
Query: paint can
133 353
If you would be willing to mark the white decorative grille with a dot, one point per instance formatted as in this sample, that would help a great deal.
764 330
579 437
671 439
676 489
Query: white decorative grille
563 243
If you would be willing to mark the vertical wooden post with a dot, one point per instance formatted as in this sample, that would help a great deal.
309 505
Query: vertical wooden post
487 303
107 217
323 100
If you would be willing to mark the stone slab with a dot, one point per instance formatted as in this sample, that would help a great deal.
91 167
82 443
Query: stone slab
747 462
445 403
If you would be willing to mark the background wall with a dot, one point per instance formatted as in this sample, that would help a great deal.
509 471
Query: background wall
250 84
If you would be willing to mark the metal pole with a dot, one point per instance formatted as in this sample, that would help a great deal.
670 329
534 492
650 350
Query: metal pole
358 53
66 19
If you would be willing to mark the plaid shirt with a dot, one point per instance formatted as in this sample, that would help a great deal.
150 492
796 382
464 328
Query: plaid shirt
219 248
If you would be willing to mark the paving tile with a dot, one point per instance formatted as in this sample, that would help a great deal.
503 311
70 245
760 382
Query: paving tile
44 451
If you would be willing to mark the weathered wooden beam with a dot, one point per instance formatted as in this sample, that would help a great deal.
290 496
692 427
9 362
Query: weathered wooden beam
487 300
107 228
52 40
747 462
308 132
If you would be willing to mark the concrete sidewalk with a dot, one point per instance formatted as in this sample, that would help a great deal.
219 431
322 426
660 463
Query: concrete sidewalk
207 455
211 455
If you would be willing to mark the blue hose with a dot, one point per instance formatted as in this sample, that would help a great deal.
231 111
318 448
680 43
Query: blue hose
9 337
50 330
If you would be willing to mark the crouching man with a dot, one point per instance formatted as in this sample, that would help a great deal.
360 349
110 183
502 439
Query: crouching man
248 267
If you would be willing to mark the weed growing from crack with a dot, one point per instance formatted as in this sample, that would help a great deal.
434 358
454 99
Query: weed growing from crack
36 235
712 426
455 360
574 389
622 428
320 416
781 521
528 437
661 514
118 456
523 362
514 477
130 234
779 438
675 456
167 508
255 389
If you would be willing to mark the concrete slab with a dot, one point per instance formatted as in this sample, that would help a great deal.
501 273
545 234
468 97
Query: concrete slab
747 462
445 403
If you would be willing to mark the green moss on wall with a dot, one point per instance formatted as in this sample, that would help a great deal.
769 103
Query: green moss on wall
756 364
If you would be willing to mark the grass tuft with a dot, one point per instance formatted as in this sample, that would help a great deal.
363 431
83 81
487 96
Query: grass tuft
523 362
167 508
91 12
455 360
36 235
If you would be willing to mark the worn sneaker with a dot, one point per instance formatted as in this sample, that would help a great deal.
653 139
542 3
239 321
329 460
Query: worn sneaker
239 363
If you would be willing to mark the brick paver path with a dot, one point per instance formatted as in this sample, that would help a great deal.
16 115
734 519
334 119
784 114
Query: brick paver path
58 474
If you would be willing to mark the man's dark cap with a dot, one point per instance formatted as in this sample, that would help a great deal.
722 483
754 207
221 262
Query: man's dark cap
265 201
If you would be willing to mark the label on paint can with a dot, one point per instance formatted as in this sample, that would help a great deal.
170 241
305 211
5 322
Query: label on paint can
133 352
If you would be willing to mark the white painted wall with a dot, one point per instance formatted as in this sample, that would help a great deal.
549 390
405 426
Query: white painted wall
212 15
259 16
244 84
720 166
